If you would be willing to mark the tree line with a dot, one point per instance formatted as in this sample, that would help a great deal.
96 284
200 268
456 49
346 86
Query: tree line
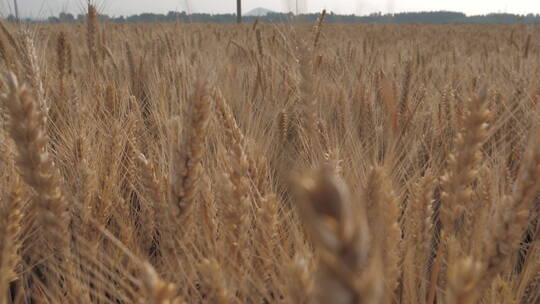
439 17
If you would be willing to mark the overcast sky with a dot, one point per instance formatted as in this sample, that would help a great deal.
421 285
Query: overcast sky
42 8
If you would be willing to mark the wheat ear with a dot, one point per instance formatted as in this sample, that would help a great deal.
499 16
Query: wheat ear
342 240
10 230
35 163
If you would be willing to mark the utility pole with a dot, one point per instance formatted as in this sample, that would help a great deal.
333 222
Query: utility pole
238 11
296 7
16 7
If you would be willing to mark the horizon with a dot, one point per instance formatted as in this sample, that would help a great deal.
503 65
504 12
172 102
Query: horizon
45 8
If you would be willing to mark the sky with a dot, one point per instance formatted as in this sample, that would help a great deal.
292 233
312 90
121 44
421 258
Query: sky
44 8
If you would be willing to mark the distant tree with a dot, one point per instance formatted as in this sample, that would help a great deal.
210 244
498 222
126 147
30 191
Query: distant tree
173 16
120 19
103 18
66 17
11 19
441 17
53 19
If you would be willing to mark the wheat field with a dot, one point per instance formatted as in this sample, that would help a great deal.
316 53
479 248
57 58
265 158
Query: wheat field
267 163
